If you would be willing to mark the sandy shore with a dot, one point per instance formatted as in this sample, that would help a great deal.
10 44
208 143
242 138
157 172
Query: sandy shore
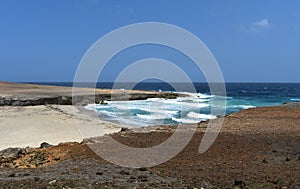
32 125
31 114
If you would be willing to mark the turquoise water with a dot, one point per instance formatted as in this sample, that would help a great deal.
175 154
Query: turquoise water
197 107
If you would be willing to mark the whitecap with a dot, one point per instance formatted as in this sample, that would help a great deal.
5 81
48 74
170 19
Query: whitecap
108 113
151 116
188 104
195 105
197 95
295 99
185 120
201 116
241 106
155 99
160 111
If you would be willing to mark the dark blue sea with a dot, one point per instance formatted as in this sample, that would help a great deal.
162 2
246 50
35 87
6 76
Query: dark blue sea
191 109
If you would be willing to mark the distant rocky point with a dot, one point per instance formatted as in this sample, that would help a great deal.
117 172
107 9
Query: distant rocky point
16 94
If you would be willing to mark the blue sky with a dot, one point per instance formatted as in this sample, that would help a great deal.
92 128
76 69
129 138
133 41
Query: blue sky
253 41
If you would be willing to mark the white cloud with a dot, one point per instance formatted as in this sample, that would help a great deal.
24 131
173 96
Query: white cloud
256 27
260 25
264 23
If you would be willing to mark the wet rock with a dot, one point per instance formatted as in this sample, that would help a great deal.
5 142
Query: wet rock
45 145
103 103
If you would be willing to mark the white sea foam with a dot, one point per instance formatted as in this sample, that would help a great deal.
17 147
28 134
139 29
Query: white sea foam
295 99
200 116
241 106
185 120
155 99
160 111
153 110
96 107
90 106
195 105
188 104
197 95
151 116
108 113
200 100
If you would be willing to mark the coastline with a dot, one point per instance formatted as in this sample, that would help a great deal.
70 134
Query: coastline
17 94
31 114
256 148
32 117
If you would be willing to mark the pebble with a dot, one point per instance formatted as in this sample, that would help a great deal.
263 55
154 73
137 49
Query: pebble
53 182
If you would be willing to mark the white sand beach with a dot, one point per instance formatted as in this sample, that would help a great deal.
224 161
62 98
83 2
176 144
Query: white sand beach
23 126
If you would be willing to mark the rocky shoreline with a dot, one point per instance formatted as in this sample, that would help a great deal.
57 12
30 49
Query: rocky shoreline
15 94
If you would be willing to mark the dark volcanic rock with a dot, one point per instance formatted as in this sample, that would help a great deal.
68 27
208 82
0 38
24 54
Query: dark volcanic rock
238 183
123 129
45 145
78 100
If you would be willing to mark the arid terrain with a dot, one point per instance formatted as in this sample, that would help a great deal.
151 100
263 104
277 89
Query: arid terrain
257 148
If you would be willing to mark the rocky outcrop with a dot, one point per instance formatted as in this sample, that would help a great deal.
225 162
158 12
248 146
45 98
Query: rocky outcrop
80 100
14 101
17 94
10 154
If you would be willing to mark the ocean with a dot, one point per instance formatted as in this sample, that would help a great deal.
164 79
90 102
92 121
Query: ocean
192 109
